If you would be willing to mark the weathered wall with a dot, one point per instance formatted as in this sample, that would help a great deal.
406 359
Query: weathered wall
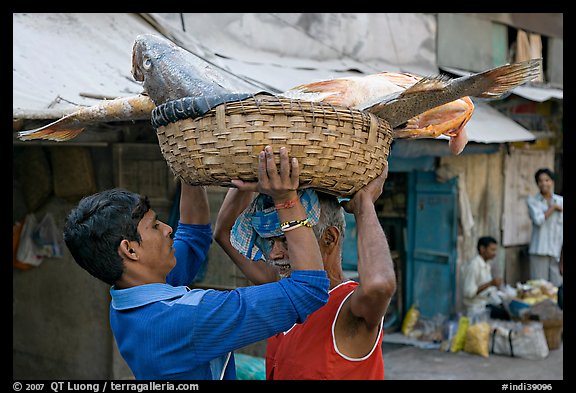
60 312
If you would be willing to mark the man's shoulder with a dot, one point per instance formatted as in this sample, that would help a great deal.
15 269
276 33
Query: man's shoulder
473 262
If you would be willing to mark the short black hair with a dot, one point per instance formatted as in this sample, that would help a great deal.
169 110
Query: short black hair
485 241
94 230
541 171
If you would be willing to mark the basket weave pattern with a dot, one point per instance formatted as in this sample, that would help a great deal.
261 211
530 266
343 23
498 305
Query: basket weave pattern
339 150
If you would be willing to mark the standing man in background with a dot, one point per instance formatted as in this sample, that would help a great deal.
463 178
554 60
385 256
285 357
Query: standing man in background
546 213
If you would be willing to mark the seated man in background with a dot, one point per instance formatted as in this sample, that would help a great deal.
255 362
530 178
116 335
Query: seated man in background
479 288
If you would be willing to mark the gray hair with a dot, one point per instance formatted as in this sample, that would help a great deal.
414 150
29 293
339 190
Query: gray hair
331 215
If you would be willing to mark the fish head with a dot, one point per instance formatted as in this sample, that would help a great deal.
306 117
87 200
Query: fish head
147 50
170 72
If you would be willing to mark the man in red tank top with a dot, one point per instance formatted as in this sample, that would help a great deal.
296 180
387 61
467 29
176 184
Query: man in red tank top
342 339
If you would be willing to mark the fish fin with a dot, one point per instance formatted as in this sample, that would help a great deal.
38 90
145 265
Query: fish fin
510 76
428 83
328 91
458 142
50 132
401 79
331 85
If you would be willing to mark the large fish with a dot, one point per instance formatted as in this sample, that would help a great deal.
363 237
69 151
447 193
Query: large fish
416 106
354 91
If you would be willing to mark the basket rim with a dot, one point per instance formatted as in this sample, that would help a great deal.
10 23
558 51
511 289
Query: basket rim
263 103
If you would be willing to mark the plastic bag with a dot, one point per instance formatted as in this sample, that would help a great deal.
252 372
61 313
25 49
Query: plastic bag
16 233
48 239
460 337
478 339
516 339
410 320
27 250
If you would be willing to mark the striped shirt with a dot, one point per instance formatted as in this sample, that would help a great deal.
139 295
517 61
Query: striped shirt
547 234
168 331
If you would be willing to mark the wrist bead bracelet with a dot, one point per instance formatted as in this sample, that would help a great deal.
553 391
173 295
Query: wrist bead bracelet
290 225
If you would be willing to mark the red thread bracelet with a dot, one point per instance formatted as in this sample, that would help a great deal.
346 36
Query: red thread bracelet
286 205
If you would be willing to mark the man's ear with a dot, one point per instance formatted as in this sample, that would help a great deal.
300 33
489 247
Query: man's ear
126 250
330 237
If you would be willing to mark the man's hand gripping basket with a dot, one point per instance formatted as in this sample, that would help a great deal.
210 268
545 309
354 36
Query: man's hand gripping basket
339 150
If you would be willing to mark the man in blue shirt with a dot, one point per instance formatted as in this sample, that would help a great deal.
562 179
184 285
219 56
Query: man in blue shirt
165 330
546 210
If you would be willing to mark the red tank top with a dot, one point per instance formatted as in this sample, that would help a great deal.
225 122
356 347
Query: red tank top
308 350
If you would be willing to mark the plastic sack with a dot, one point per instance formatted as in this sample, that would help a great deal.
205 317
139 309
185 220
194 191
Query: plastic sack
27 251
410 320
458 340
48 239
478 339
16 233
523 340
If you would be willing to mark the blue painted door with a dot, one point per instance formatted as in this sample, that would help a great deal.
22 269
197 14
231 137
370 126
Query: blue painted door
431 245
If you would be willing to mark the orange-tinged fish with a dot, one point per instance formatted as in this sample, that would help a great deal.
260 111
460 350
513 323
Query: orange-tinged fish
416 106
354 91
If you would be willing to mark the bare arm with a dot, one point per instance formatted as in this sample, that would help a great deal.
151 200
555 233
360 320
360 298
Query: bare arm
495 282
233 205
377 285
194 207
282 186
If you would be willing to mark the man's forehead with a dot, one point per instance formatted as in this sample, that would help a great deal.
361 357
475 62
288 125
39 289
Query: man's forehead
149 217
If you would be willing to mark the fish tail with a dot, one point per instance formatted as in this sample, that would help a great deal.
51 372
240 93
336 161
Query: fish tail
509 76
55 131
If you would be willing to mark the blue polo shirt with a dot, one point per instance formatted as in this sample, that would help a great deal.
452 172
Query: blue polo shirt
168 331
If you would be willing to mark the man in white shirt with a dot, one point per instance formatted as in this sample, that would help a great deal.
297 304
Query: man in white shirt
546 211
479 288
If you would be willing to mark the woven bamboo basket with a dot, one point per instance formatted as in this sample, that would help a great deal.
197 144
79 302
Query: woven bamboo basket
339 149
